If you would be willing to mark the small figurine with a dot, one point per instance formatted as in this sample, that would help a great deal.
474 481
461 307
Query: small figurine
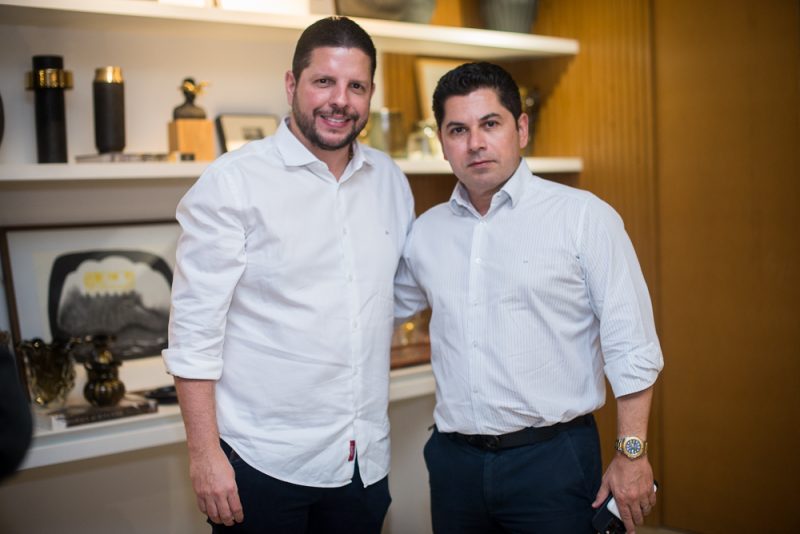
188 110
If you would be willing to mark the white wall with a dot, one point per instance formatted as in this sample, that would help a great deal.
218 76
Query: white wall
148 491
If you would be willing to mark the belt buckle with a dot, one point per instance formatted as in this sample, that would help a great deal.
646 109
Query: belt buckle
491 442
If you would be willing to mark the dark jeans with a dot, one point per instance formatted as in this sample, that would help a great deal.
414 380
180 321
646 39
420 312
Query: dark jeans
543 488
272 506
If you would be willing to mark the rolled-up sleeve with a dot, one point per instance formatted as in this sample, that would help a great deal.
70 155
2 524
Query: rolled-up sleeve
211 257
620 299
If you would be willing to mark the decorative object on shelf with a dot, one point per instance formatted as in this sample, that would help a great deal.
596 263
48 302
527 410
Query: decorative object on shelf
73 281
423 142
428 72
190 132
531 103
385 131
236 130
419 11
411 342
509 15
108 95
120 157
48 80
50 370
103 386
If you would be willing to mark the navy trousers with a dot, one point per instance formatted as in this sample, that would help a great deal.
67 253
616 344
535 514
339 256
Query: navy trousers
543 488
272 506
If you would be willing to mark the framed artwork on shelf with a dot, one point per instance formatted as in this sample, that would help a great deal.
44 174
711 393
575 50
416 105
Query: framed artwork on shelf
75 281
428 72
236 130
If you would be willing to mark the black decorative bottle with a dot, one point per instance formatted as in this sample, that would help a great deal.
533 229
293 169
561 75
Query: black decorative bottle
108 91
48 80
103 386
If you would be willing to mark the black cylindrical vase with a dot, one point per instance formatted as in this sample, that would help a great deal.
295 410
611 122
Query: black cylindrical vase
48 80
108 90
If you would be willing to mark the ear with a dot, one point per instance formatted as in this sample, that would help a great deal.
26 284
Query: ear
290 84
441 143
522 128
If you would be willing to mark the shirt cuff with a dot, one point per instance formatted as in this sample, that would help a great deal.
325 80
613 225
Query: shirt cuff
636 371
192 365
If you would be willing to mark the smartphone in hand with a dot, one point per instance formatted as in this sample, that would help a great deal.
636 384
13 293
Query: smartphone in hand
606 520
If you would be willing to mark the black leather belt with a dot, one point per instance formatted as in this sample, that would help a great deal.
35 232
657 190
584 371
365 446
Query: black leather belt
526 436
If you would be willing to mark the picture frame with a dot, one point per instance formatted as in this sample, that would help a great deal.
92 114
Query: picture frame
235 130
428 71
73 281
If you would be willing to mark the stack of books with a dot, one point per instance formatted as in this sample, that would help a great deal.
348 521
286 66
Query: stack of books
81 414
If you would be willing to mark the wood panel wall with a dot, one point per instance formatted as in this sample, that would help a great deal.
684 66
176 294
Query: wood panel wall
728 115
687 117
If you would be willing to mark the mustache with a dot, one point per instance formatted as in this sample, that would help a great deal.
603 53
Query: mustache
338 111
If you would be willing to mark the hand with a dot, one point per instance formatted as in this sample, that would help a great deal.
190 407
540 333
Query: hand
631 483
214 485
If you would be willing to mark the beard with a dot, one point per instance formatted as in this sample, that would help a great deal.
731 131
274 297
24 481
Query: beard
305 123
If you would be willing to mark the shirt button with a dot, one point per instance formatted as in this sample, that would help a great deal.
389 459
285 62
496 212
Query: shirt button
344 231
475 344
355 325
478 261
349 277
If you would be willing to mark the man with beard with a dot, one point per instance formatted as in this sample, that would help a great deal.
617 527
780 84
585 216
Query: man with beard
282 312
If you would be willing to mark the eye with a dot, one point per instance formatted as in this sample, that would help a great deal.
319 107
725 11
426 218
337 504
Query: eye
491 124
457 130
358 87
324 81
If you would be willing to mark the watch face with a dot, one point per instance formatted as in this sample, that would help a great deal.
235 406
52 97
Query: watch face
633 447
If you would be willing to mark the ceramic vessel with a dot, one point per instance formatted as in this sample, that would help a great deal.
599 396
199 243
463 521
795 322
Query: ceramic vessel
419 11
509 15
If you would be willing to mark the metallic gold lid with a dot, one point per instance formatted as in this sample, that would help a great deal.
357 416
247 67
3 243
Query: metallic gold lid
108 75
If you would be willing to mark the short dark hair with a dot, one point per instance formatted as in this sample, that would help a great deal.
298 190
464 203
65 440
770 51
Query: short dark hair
470 77
335 32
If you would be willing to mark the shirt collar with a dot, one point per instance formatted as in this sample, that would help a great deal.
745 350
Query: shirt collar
295 153
512 191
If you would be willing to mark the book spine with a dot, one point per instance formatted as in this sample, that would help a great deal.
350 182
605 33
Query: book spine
62 421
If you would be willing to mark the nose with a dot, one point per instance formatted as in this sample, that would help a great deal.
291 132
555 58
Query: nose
338 97
476 141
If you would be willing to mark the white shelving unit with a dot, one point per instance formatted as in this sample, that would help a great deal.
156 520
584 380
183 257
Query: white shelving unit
71 191
166 426
67 172
406 38
151 18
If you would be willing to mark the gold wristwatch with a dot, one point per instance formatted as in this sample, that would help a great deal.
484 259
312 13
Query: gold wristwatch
631 446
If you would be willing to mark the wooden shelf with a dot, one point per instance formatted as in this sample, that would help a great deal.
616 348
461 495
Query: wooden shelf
398 37
67 172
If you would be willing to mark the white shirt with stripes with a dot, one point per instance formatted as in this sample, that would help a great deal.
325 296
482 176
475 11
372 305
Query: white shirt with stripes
532 305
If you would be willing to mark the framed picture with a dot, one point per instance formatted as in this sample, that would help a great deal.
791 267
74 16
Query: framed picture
428 72
76 281
236 130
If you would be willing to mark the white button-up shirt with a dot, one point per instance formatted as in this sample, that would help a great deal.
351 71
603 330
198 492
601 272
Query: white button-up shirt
531 305
283 294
